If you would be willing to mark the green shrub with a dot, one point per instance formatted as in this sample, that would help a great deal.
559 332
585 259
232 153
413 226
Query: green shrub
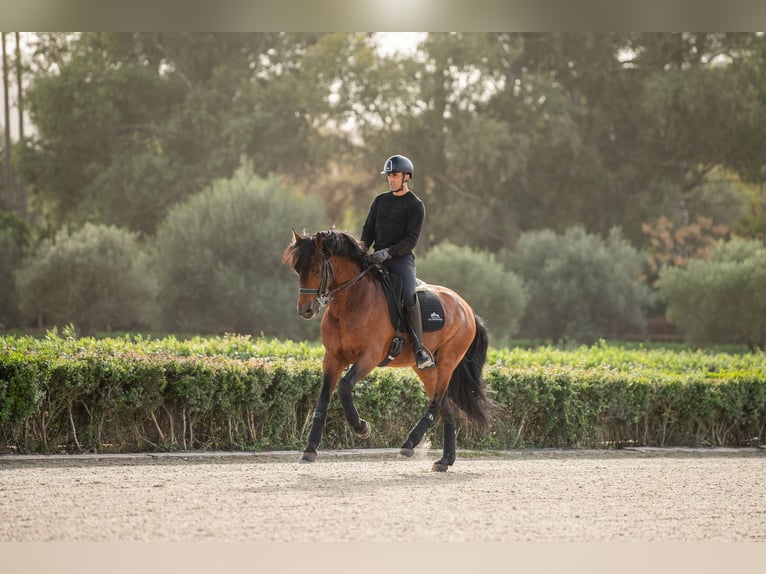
96 278
581 288
494 293
135 394
218 255
721 300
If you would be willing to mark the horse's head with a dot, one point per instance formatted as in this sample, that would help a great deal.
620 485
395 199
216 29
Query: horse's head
310 259
305 256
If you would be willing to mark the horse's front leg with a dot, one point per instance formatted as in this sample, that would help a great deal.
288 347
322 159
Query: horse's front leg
345 388
329 380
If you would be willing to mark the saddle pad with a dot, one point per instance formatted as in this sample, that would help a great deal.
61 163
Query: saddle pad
432 311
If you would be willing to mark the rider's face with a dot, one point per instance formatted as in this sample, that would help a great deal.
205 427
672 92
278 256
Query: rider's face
395 179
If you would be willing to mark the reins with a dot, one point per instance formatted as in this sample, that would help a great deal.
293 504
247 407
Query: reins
323 296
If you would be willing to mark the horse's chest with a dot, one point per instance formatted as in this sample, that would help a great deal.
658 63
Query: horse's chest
348 335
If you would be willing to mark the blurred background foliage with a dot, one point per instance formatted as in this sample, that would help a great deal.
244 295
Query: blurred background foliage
153 178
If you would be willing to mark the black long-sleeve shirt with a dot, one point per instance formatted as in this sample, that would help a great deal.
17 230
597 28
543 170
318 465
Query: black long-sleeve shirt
394 222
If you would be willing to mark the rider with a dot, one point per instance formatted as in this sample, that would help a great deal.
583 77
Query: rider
392 227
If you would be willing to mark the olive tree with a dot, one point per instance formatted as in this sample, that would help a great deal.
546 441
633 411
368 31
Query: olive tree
217 258
95 278
581 287
721 299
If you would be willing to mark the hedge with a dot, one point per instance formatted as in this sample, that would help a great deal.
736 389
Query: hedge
135 394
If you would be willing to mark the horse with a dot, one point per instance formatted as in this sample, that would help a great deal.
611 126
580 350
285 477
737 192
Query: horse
335 271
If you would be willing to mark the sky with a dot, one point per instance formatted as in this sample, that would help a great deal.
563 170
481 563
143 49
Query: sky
390 43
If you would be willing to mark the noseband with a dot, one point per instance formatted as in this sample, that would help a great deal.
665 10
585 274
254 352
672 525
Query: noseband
323 296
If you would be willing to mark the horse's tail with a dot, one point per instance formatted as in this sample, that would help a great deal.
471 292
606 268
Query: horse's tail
466 387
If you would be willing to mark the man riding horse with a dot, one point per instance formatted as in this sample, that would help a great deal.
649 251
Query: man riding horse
392 229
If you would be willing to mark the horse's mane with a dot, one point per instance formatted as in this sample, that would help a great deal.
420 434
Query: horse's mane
300 253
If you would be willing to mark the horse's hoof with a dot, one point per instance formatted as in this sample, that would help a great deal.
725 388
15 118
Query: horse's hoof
366 429
406 452
309 457
439 466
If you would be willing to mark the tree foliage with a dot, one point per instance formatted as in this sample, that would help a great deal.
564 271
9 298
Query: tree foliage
14 240
676 247
131 124
510 133
217 259
581 288
721 299
96 278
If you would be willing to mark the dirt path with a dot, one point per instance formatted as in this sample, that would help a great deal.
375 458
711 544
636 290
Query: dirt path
627 495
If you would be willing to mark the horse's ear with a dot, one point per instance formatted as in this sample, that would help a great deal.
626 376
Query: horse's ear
296 236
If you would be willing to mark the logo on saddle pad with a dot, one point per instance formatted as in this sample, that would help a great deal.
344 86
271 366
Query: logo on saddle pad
431 310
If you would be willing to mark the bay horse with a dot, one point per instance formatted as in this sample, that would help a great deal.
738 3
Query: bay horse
335 270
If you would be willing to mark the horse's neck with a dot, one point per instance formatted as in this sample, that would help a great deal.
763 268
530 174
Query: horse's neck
343 270
346 270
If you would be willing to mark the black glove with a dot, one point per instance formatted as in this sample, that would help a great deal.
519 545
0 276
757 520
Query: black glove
381 256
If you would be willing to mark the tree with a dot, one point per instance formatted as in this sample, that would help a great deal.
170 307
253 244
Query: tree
509 132
7 170
552 130
425 108
153 118
722 299
95 278
581 288
671 246
217 259
14 241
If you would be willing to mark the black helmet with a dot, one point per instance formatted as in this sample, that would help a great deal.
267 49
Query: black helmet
399 163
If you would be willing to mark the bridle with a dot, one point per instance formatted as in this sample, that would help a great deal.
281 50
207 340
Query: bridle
323 296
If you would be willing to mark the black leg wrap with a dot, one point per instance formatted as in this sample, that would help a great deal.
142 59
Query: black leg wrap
420 429
317 428
352 415
450 443
345 387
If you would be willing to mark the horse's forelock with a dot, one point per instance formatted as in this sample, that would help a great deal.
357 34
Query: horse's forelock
299 255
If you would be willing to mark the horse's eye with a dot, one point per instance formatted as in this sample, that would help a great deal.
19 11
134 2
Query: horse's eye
315 272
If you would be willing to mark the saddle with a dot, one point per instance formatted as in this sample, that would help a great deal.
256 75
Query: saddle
431 309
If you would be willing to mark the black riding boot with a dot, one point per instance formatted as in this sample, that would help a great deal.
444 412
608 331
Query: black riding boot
423 356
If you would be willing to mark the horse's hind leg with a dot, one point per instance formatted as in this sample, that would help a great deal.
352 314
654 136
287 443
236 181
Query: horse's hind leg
420 429
447 414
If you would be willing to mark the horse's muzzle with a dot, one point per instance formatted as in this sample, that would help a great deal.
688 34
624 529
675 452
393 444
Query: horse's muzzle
308 310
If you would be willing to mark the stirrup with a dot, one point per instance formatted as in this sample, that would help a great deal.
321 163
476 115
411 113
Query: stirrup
424 359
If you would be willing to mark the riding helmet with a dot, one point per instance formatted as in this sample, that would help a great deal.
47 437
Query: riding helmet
399 163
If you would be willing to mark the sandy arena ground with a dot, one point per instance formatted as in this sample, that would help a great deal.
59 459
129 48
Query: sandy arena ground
368 495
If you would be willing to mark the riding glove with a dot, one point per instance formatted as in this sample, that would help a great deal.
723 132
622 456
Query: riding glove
381 256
